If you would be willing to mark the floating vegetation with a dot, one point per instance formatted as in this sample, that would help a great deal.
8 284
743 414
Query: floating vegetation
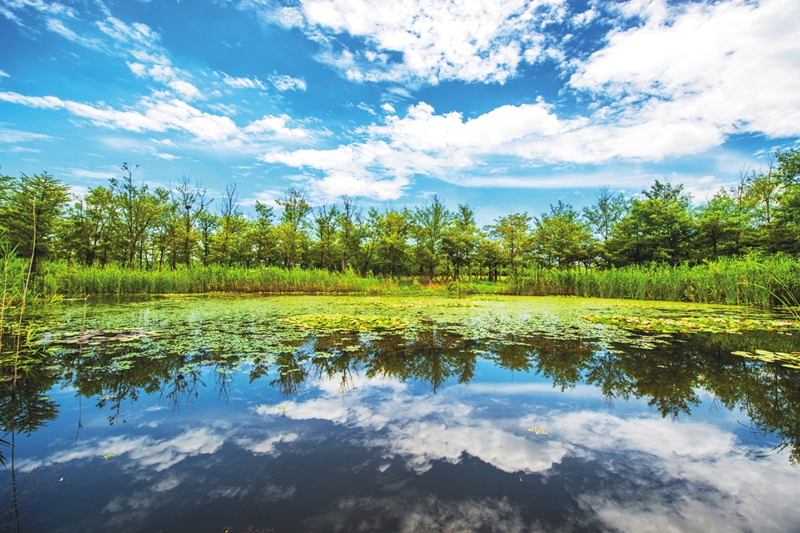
99 336
462 304
346 322
701 324
789 360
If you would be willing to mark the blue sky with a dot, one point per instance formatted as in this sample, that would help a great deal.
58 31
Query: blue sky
507 105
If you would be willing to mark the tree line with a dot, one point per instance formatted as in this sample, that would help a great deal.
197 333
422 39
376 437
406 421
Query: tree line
126 223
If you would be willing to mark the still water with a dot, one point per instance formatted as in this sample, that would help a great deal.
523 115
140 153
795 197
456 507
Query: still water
498 414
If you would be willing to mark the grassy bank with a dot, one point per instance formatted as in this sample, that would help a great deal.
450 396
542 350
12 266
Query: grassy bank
750 281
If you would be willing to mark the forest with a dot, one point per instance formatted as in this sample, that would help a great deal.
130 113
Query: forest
125 226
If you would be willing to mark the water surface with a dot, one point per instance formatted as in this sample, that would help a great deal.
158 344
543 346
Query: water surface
499 414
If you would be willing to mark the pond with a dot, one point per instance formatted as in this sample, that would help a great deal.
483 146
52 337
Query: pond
323 414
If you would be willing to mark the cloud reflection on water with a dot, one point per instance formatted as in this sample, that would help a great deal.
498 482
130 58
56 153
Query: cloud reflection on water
660 474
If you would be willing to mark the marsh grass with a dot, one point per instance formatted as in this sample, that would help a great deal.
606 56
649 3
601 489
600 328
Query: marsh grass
58 278
755 281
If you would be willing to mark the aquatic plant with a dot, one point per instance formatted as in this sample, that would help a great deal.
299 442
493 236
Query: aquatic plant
346 322
694 324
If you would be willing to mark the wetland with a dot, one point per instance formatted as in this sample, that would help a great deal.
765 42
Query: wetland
340 413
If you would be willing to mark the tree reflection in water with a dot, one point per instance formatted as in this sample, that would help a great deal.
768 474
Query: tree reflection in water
669 376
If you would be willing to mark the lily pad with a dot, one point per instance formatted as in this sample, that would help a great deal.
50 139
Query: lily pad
694 324
346 322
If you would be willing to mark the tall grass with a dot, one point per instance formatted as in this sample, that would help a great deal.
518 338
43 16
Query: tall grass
58 278
755 281
762 282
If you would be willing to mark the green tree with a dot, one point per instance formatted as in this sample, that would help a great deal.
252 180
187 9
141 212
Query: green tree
33 215
513 234
292 231
657 228
191 203
325 249
137 212
227 247
351 233
392 230
719 226
263 235
561 238
460 240
607 211
429 224
88 225
207 227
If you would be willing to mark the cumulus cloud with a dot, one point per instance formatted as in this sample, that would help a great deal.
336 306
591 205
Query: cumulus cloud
439 40
275 127
712 69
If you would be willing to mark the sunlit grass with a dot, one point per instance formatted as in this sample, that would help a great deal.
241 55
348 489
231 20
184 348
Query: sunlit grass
761 282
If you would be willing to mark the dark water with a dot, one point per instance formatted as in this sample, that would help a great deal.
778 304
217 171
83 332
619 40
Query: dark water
509 415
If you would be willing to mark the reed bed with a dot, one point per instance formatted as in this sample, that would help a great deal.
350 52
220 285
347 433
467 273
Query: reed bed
60 279
755 281
761 282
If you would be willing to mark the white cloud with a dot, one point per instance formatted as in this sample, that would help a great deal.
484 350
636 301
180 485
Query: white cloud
160 114
136 33
41 102
276 128
4 74
438 39
267 445
144 451
58 27
664 474
244 83
709 69
287 83
388 108
11 136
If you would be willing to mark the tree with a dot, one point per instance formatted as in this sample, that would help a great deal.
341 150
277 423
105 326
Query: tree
263 234
33 215
325 233
460 240
191 203
392 230
562 238
658 228
207 228
351 233
604 215
227 243
88 225
291 232
430 222
137 212
514 237
719 226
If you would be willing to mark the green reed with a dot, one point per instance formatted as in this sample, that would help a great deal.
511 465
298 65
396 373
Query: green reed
756 281
62 279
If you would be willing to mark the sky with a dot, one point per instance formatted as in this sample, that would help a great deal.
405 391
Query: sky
505 105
